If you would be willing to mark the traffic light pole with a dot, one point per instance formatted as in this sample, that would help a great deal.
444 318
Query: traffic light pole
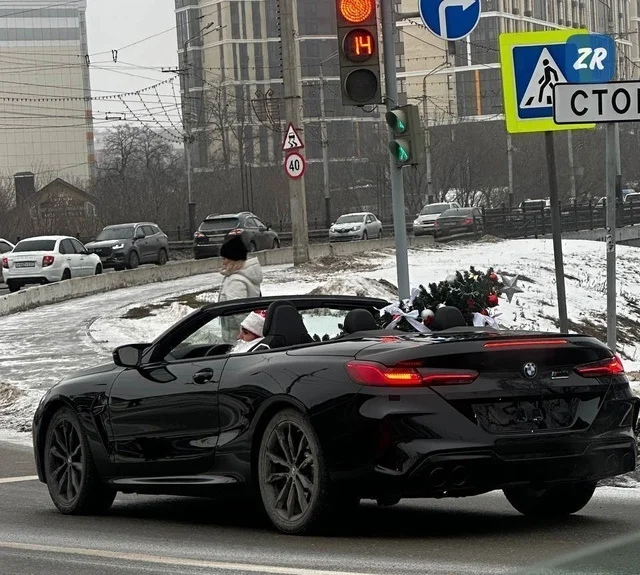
389 33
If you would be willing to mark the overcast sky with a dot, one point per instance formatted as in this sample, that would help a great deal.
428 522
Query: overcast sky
113 25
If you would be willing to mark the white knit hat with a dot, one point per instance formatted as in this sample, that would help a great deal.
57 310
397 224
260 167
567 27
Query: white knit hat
254 322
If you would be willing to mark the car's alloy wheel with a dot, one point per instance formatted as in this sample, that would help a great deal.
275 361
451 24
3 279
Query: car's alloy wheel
73 482
292 477
134 260
551 501
162 258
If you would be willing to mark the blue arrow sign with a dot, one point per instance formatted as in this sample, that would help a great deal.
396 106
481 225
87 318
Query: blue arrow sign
450 19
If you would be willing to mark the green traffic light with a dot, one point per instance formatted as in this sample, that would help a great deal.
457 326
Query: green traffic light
397 121
400 152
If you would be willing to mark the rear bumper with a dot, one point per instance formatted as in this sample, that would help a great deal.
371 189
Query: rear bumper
206 250
464 472
29 276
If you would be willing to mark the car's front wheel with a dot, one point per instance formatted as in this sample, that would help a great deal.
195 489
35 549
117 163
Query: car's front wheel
134 260
71 475
551 501
292 476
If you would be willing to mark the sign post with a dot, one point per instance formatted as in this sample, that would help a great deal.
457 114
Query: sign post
533 64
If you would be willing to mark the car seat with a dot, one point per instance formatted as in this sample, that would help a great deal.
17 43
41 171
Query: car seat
359 320
448 317
284 327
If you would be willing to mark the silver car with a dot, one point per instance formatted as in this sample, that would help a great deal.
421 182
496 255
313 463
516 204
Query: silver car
358 226
424 222
5 247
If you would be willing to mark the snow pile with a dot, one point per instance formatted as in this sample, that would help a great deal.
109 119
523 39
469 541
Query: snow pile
207 297
357 286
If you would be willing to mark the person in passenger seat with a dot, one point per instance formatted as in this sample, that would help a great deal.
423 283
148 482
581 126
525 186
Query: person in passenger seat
251 333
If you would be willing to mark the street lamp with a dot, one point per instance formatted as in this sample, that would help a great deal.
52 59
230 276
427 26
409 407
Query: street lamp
186 116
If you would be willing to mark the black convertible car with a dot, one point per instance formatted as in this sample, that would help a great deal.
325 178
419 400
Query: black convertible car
311 427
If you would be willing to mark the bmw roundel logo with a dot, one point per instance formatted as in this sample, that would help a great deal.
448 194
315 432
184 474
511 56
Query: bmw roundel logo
530 370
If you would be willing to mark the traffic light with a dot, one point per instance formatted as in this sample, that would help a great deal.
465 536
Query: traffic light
359 52
407 145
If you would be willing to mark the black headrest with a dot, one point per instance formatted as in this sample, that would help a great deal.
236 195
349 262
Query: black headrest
359 320
448 317
283 326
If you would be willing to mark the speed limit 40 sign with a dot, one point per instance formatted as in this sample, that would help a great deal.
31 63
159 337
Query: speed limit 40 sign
294 165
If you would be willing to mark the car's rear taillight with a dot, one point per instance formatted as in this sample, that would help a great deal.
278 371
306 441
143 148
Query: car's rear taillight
236 232
468 222
376 374
604 368
5 263
435 224
47 261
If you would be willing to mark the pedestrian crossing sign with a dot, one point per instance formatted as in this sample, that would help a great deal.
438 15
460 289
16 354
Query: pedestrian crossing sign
532 64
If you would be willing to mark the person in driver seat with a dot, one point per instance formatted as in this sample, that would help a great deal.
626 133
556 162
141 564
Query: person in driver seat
251 333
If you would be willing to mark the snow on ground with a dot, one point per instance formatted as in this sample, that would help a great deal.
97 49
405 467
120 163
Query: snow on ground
41 346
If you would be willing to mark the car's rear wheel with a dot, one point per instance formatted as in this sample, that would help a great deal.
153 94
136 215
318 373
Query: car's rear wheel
66 275
276 244
552 501
380 234
293 478
134 260
13 286
162 257
70 473
253 247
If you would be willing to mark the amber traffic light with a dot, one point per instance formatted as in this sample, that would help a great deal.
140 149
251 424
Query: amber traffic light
359 52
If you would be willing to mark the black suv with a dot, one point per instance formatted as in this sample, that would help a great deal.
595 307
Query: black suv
129 245
216 229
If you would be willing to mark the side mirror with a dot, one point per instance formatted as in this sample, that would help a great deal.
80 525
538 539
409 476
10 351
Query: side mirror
129 355
268 224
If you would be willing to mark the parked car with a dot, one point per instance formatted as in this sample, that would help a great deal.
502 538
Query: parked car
459 221
312 427
423 223
632 198
129 245
217 229
5 247
45 259
357 226
539 206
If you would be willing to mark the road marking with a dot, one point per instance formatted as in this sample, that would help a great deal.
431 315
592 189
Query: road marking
227 565
18 479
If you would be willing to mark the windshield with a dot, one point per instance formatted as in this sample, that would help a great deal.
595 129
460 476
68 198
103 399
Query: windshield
116 233
219 224
35 246
434 209
350 219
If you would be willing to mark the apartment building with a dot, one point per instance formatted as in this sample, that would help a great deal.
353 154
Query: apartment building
45 122
464 80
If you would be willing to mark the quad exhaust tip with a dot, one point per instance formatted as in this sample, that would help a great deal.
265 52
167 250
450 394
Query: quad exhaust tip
441 477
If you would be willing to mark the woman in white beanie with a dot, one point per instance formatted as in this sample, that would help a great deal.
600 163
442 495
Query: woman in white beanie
251 333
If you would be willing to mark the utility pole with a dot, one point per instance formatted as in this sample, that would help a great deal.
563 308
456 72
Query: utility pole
427 140
293 110
510 168
572 172
186 120
325 154
610 171
389 37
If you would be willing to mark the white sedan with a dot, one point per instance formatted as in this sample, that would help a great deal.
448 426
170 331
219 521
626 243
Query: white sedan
5 247
47 259
358 226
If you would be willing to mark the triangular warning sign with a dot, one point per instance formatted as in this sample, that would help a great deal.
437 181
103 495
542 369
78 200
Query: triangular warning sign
292 140
546 75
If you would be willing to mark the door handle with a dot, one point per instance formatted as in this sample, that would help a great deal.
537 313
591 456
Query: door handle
204 376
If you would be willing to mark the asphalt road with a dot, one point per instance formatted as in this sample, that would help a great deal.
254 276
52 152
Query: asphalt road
155 535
